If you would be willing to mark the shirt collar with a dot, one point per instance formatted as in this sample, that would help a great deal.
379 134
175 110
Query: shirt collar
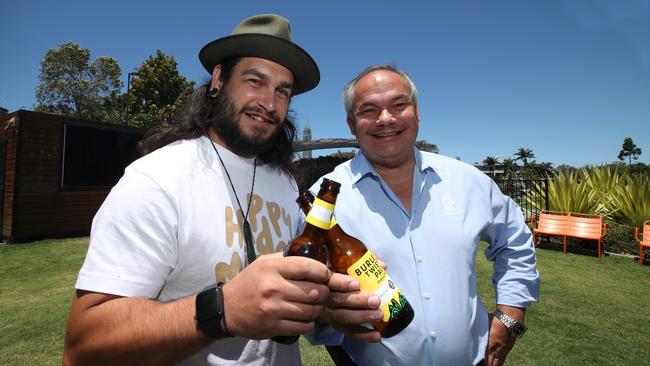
432 163
360 167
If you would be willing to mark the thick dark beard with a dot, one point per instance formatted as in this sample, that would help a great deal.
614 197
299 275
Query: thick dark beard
224 123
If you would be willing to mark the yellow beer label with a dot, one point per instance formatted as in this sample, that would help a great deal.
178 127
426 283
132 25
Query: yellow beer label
333 222
320 214
373 278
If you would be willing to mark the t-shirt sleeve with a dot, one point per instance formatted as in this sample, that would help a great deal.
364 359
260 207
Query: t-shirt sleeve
133 245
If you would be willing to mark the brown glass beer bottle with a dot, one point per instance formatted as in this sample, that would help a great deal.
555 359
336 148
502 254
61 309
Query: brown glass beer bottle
311 243
350 256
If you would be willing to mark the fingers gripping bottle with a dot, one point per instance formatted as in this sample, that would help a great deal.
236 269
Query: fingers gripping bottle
350 256
311 243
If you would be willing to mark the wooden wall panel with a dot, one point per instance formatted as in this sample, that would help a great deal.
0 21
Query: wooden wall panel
8 134
34 204
66 212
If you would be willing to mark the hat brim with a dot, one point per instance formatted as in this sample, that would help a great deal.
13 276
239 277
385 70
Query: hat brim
302 66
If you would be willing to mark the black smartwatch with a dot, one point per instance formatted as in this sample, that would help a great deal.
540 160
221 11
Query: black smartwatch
210 312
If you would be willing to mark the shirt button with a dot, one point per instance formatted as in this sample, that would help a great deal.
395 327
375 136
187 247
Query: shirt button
433 334
419 258
427 295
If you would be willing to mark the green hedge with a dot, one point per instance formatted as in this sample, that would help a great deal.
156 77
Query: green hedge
620 239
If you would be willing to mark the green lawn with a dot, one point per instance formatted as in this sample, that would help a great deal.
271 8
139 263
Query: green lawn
592 312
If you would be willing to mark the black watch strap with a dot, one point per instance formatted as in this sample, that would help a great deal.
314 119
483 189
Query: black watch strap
210 312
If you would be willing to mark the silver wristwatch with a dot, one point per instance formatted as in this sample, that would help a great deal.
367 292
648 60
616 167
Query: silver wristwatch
515 327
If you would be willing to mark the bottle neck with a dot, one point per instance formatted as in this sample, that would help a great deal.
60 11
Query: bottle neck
320 214
313 229
335 226
305 201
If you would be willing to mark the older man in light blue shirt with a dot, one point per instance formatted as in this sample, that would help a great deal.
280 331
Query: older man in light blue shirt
424 215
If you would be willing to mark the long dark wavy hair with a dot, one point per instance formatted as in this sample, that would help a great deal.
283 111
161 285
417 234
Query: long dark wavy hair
200 114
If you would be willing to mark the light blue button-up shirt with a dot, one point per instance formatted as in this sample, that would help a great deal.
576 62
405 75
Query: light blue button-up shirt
431 254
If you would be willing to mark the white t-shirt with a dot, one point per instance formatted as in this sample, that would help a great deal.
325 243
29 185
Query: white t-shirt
171 227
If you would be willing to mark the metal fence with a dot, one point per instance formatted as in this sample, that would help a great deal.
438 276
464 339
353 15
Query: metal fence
531 195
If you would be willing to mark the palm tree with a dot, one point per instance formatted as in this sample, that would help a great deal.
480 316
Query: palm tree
524 154
545 169
508 167
491 163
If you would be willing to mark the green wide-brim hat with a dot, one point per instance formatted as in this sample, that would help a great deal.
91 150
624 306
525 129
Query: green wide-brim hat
266 36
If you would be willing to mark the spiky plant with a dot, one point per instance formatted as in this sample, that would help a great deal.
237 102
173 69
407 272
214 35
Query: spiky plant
601 189
603 180
630 202
568 191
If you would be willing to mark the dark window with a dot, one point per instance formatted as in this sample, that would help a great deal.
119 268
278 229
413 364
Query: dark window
96 157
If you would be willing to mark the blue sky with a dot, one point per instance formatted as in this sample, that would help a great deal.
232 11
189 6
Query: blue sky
569 79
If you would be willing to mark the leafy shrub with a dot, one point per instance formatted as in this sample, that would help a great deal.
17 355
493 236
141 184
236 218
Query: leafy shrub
620 239
568 191
605 190
629 202
622 198
603 180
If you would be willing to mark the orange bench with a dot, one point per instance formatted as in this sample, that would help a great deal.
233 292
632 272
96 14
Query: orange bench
644 242
551 223
570 224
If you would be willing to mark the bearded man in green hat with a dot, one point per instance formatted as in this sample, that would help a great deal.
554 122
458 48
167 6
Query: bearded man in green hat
170 275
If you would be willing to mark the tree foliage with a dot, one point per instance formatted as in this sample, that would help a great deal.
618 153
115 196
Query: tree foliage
524 154
158 91
639 169
491 163
509 167
422 145
72 84
629 150
344 154
544 169
535 170
566 167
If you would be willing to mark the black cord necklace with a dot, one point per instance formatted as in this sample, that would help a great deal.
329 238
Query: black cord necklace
248 233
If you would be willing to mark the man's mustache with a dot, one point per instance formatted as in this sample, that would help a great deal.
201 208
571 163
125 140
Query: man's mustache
272 116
